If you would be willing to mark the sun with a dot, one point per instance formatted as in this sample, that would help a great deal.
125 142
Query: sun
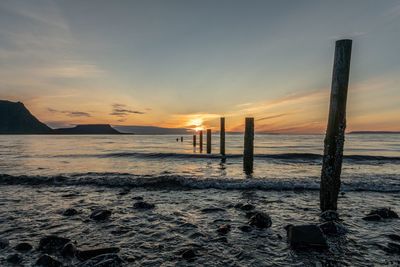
196 123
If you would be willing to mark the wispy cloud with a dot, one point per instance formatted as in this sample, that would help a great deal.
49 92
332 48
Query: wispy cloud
70 113
122 110
272 117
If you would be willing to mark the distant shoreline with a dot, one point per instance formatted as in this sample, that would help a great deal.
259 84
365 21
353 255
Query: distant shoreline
374 132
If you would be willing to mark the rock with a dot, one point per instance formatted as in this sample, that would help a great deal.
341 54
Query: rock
332 228
4 243
47 261
260 220
394 237
68 251
105 260
372 217
212 209
85 255
385 213
393 248
305 236
23 247
124 191
247 207
70 212
14 259
329 215
52 243
245 228
188 254
250 214
100 215
141 205
224 229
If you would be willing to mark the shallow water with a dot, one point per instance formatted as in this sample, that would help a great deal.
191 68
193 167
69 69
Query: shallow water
156 237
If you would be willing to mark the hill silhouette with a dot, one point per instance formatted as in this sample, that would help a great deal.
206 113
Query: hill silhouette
88 129
15 118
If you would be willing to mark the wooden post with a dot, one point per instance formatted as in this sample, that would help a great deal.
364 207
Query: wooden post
194 140
248 152
222 137
208 141
334 139
201 140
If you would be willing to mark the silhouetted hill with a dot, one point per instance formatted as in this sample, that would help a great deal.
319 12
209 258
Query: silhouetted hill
88 129
374 132
150 130
15 118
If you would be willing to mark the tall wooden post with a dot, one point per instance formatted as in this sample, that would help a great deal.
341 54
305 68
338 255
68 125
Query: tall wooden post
194 140
334 139
222 137
248 152
208 141
201 140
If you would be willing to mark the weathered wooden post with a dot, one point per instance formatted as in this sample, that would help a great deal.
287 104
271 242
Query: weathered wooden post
222 137
208 141
194 140
248 152
334 139
201 140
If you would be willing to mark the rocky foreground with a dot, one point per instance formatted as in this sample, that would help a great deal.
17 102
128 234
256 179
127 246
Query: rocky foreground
198 227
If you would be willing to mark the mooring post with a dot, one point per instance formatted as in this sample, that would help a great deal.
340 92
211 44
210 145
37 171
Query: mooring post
194 140
222 137
201 140
248 152
334 139
208 141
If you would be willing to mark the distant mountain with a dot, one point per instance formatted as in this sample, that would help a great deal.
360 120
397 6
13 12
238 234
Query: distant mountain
15 118
150 130
88 129
375 132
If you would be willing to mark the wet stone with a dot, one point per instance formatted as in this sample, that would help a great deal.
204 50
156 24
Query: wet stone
329 215
48 261
393 248
52 243
188 254
247 207
260 220
224 229
4 243
70 212
305 236
385 213
372 217
100 215
212 209
68 251
23 247
141 205
394 237
245 228
14 259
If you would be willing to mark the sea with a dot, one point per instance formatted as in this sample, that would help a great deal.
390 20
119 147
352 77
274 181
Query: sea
195 193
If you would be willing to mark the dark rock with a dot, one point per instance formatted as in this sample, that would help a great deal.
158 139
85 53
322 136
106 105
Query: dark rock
238 205
105 260
212 209
141 205
85 255
23 247
372 217
68 251
4 243
137 198
394 237
70 212
385 213
52 243
100 215
247 207
224 229
329 215
260 220
245 228
47 261
14 259
393 248
305 236
332 228
124 191
188 254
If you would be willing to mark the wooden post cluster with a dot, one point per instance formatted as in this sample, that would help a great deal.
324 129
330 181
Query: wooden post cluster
222 137
248 152
194 140
334 139
208 141
201 140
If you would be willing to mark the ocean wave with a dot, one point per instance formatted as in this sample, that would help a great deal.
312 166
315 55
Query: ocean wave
126 180
282 156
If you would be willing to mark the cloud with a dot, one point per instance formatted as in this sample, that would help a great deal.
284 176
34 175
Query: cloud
70 113
272 117
122 110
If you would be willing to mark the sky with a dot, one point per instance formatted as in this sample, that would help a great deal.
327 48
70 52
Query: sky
186 63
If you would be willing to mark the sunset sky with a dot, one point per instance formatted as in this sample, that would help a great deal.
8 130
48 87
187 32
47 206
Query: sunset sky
186 63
